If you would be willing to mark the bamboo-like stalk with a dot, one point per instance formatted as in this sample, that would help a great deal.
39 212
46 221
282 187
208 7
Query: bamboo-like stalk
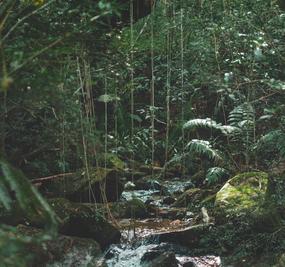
152 89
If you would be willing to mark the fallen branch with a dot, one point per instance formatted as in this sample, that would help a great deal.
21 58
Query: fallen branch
52 177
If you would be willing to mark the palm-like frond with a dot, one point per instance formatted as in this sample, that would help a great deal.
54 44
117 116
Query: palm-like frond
209 124
242 116
204 148
216 174
274 139
27 197
200 123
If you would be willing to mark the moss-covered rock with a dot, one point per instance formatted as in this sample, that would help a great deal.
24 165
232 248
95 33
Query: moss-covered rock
75 219
84 220
241 195
134 208
111 160
193 197
27 246
83 187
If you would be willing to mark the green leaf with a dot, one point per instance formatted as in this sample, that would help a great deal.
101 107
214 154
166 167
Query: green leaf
28 198
107 98
216 174
204 148
210 125
4 195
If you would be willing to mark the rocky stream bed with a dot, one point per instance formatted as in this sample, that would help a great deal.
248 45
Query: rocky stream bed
151 221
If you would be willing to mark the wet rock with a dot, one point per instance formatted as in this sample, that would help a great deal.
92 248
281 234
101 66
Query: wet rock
172 213
129 186
189 264
112 253
78 187
75 219
151 255
188 185
60 251
136 208
157 259
84 220
189 214
148 184
194 196
241 195
149 201
189 237
168 200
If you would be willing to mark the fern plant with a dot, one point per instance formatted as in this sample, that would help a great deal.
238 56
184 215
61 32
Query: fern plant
240 130
271 147
204 148
242 116
216 174
210 125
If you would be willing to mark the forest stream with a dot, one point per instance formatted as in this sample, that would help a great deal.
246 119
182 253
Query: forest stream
142 133
140 241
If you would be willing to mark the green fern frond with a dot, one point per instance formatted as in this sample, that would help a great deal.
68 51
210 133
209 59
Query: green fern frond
242 115
4 195
200 123
27 197
274 139
204 148
209 124
216 174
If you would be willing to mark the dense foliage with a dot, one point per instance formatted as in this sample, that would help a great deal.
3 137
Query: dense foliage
198 85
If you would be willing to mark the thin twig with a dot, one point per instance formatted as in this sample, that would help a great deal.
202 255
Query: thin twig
36 55
23 19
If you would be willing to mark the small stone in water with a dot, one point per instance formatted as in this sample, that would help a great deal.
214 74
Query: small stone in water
168 200
189 264
189 214
130 186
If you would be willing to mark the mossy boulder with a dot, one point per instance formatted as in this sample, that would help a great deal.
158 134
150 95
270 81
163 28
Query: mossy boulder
27 246
193 197
111 160
83 187
134 208
75 219
241 195
84 220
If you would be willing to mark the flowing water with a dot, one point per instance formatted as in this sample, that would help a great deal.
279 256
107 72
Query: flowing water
138 235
